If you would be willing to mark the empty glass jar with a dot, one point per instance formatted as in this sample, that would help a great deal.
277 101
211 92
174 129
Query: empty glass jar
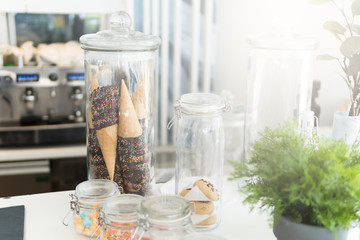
163 218
120 77
118 218
279 81
87 203
200 155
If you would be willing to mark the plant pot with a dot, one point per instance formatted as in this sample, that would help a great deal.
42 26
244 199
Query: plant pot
285 229
345 126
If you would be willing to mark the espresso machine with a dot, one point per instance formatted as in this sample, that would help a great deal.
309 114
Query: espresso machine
42 106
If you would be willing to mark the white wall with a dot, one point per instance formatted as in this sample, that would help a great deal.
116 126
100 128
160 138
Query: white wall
238 20
63 6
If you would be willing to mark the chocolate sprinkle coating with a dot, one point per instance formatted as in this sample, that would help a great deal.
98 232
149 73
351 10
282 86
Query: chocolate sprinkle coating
136 176
94 149
132 167
135 167
105 106
130 158
135 146
96 164
135 188
134 164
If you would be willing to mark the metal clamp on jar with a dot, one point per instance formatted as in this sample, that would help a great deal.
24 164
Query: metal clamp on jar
118 218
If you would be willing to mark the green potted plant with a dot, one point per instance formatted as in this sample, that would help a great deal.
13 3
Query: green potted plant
309 186
346 124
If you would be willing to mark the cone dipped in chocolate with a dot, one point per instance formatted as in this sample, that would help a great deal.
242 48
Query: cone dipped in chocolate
133 160
140 97
108 140
104 112
129 126
97 166
96 160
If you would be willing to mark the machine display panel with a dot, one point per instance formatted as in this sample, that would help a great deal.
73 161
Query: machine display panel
75 76
27 78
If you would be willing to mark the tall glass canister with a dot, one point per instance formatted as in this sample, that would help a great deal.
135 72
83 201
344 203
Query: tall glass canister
200 156
279 81
120 73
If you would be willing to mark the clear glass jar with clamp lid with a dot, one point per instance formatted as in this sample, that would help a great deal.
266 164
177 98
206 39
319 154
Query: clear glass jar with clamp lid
118 218
87 203
200 155
163 218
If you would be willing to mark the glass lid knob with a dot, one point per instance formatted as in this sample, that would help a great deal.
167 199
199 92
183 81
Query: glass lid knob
120 22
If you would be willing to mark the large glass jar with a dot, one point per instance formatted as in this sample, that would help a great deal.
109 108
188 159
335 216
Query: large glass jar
87 203
118 218
163 218
279 82
200 156
120 74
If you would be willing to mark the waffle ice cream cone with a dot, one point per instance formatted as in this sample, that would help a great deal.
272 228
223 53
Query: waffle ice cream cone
134 163
107 136
140 97
129 126
108 141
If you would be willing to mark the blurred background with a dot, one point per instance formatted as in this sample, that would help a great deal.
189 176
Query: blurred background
204 49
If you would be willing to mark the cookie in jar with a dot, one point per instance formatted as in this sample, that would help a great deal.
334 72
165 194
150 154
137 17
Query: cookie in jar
204 200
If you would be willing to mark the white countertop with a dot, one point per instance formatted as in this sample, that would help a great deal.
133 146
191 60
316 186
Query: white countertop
44 214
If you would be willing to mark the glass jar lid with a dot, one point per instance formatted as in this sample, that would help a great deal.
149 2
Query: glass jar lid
119 37
96 191
201 103
122 208
165 208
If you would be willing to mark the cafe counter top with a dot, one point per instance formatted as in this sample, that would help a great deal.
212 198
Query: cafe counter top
44 215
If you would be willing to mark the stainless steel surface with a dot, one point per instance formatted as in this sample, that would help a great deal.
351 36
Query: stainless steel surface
41 105
16 135
23 168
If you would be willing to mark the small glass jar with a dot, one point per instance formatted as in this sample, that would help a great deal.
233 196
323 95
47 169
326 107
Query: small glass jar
118 218
163 218
87 203
200 155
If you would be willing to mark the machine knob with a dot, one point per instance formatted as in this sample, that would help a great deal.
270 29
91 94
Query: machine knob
29 95
53 77
7 79
77 94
